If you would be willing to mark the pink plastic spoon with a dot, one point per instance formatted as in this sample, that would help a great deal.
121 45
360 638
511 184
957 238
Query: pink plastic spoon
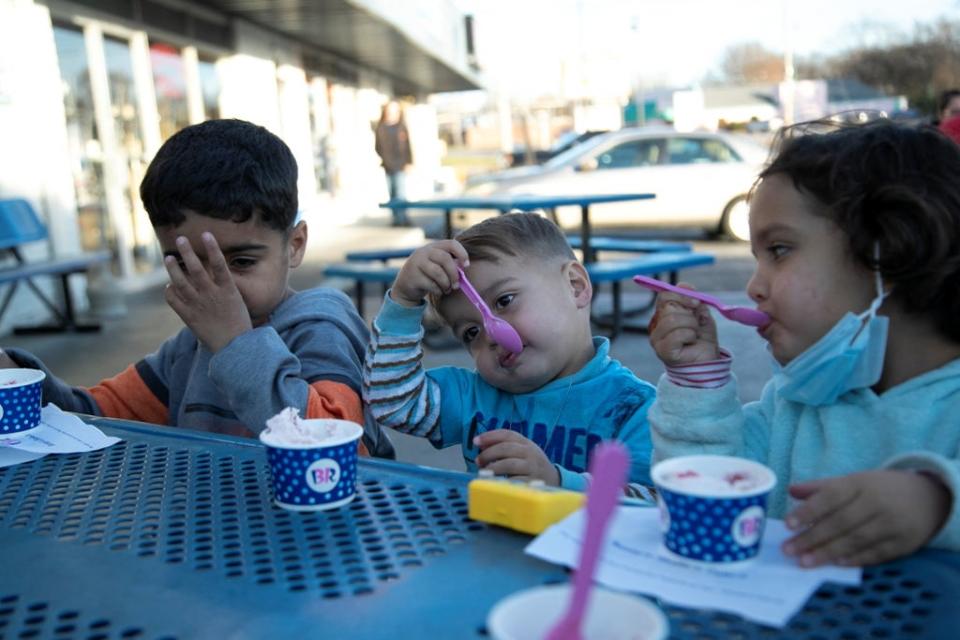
743 315
608 467
498 329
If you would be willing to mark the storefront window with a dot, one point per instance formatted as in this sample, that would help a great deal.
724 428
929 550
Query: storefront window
170 85
86 153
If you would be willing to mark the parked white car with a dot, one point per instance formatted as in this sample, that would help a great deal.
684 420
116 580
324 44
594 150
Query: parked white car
700 179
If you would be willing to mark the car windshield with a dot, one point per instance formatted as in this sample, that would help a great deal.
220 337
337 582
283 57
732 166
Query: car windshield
564 139
575 151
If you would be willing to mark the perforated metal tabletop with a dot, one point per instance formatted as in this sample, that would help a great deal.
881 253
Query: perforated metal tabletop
173 534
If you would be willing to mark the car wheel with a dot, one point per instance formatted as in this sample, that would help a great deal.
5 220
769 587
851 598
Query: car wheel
736 219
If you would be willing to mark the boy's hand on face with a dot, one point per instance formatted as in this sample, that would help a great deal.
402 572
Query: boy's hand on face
865 518
209 303
507 453
431 269
682 331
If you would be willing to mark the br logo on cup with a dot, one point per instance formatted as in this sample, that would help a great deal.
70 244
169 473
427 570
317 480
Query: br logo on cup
313 463
713 508
748 527
21 391
323 475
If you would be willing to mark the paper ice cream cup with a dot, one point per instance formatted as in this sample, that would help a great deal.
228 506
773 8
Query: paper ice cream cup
318 474
610 615
713 508
20 394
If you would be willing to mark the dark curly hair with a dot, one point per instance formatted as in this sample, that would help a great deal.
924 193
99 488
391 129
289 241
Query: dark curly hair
891 184
224 169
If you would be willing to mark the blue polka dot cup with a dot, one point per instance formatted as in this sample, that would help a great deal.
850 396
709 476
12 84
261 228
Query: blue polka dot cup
315 473
713 508
20 394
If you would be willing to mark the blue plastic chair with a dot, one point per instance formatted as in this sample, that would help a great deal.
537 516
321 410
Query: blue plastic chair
19 225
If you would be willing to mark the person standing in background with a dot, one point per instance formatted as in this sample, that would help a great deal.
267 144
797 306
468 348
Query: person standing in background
393 147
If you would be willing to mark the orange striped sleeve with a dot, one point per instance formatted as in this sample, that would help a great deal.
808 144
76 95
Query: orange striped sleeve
127 396
328 399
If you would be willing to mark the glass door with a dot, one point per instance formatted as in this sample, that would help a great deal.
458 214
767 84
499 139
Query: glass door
209 86
320 130
83 139
130 147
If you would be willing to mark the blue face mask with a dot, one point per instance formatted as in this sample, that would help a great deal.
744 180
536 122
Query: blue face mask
848 357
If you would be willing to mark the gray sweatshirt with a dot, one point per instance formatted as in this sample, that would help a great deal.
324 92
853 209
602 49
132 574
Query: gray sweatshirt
309 355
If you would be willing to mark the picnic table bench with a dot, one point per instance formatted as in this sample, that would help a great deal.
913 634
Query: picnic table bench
361 273
522 202
364 269
597 244
629 245
655 265
20 225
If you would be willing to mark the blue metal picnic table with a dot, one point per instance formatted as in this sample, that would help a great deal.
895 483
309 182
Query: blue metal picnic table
173 534
524 202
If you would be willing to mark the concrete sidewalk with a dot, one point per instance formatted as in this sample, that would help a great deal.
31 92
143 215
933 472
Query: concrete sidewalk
85 359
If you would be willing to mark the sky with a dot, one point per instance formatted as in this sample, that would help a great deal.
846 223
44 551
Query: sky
533 47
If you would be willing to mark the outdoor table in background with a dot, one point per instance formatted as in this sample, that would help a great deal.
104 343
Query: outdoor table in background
524 202
173 534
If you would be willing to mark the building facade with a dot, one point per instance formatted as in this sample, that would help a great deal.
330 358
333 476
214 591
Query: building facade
90 89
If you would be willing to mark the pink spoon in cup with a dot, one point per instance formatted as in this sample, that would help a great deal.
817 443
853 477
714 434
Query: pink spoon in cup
608 466
498 329
743 315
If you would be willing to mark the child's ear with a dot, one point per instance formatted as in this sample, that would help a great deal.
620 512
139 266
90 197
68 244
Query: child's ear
297 243
580 285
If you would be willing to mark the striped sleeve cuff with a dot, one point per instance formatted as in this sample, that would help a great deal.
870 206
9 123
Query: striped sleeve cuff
642 492
703 375
394 319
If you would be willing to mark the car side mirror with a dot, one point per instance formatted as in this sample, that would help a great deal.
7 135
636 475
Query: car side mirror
588 164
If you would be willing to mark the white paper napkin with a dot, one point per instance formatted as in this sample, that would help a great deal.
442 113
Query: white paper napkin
769 589
59 432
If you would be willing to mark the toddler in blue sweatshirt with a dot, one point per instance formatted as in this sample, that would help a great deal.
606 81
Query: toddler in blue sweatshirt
856 233
533 415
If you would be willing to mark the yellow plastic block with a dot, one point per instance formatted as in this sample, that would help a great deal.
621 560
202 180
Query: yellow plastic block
520 506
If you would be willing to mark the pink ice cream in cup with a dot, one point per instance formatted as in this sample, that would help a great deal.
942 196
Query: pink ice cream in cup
713 508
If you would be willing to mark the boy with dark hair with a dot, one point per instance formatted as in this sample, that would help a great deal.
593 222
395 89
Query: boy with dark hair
536 414
222 197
